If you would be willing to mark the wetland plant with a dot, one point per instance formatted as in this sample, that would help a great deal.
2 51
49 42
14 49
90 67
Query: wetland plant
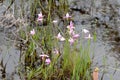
51 52
51 55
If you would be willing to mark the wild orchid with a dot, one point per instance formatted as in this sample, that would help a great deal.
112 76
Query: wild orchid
45 58
71 26
47 61
71 40
75 36
60 37
67 16
72 34
40 17
32 32
71 31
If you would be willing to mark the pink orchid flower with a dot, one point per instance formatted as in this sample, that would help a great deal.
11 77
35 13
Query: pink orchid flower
60 37
67 16
71 26
32 32
40 17
75 36
89 37
48 61
71 40
71 31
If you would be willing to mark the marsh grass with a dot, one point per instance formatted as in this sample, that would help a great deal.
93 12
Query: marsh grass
74 66
71 63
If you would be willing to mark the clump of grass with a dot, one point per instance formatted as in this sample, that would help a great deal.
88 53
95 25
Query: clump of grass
68 63
52 53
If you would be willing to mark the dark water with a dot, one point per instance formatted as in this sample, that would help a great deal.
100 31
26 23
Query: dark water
100 16
105 21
